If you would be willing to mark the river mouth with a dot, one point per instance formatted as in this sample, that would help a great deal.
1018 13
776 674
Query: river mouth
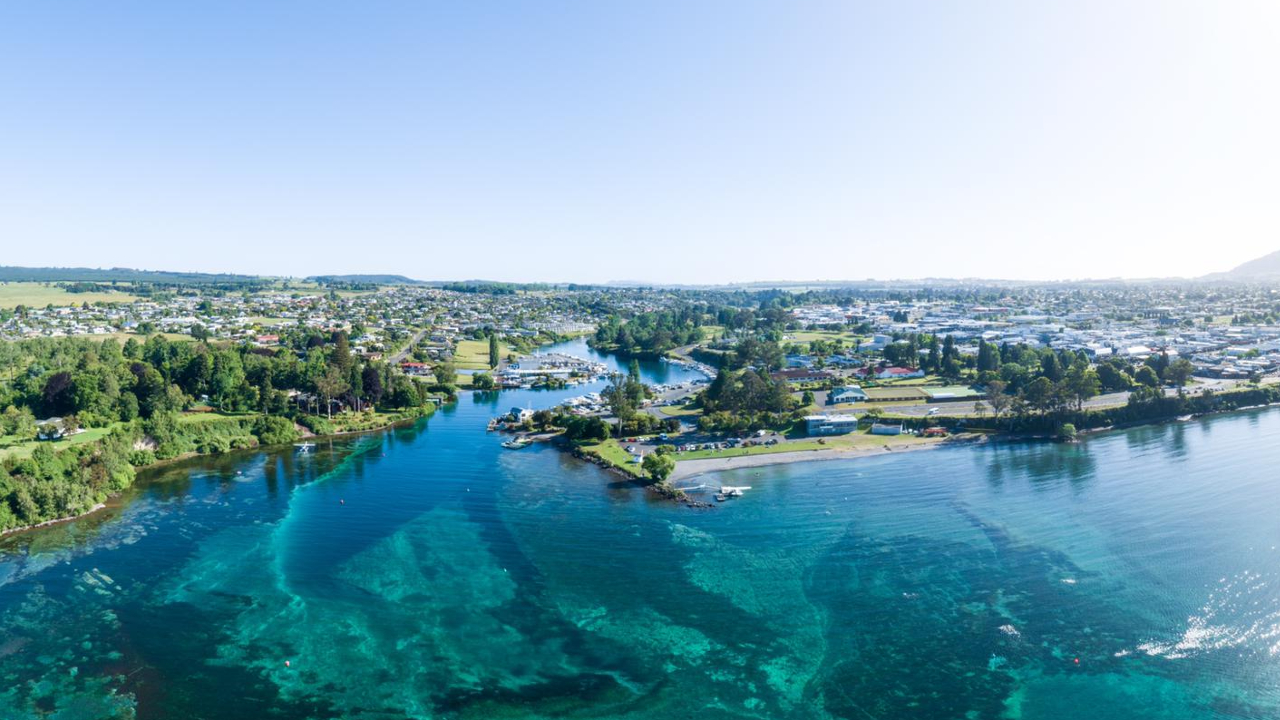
425 572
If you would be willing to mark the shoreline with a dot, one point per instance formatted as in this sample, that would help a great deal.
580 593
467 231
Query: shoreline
192 456
689 469
55 521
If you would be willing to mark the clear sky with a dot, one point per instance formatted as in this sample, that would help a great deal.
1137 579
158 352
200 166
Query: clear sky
683 141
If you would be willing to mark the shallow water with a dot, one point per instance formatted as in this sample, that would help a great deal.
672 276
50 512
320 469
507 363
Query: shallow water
425 572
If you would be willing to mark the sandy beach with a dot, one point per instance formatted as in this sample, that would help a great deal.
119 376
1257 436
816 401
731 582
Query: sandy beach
687 469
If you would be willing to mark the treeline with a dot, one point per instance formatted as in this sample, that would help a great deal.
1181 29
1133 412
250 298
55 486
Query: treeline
139 389
121 275
650 334
1145 405
495 288
103 382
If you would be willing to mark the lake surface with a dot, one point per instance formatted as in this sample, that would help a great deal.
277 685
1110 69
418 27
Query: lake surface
427 573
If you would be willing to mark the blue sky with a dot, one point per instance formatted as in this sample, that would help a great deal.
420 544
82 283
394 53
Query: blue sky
658 141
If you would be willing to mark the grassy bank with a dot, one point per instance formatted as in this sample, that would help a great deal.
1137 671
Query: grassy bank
610 453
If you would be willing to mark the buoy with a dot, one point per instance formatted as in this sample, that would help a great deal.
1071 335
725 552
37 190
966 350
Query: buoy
1077 661
342 502
286 663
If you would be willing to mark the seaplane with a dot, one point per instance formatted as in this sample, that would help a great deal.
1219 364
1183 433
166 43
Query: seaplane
731 491
305 447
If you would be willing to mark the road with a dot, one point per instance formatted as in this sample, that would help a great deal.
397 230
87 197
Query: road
400 356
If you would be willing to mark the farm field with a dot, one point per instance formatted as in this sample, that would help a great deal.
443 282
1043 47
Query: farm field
13 294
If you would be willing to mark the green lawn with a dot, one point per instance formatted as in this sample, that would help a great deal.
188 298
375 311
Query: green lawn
807 336
10 448
926 380
798 446
613 453
123 337
474 354
260 320
679 411
13 294
207 417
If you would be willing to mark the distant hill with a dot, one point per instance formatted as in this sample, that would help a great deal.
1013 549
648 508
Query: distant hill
1266 267
366 279
107 275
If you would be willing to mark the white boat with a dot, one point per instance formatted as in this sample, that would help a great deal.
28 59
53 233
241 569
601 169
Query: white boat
516 444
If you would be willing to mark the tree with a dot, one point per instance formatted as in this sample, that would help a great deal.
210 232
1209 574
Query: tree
58 394
988 357
330 385
586 429
1067 432
1112 378
1050 368
494 353
619 400
341 355
19 423
200 332
1081 384
1039 394
659 466
950 357
482 381
1147 376
997 398
446 373
371 379
1179 372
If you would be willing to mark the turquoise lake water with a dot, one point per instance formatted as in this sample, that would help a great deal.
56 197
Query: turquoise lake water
427 573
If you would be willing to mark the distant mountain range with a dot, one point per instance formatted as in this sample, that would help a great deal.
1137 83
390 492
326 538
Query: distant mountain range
1266 267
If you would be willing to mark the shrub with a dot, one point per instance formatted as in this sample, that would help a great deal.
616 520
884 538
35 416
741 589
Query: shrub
142 458
275 431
